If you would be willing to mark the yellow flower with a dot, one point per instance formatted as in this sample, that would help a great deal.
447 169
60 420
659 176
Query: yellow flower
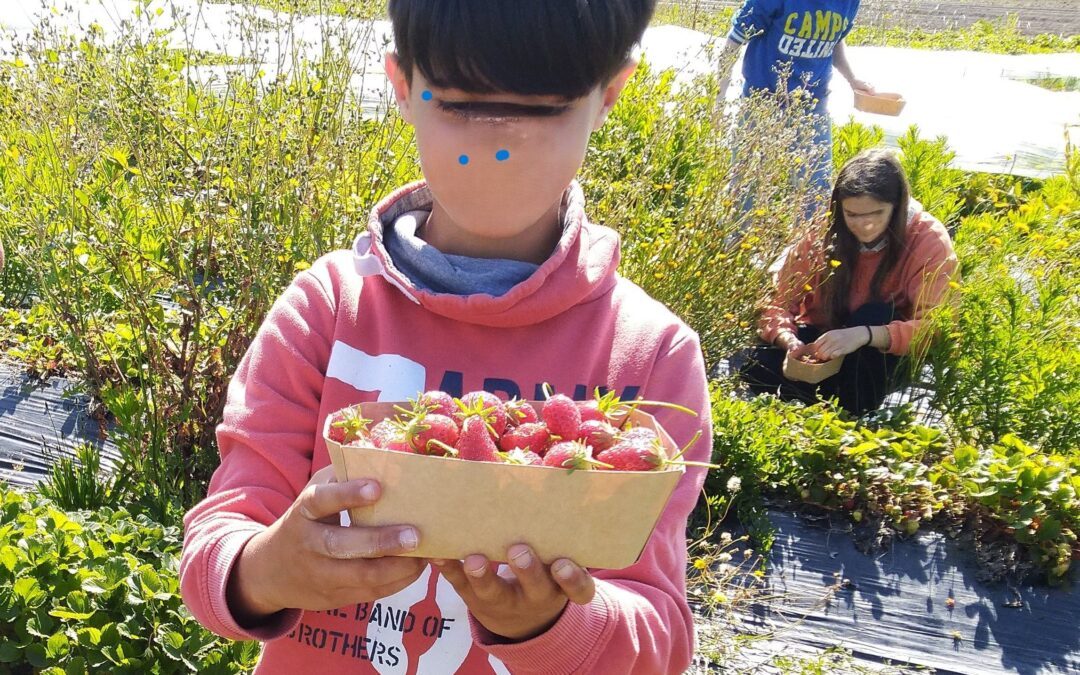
834 263
807 287
729 316
719 598
1022 228
744 324
953 284
700 564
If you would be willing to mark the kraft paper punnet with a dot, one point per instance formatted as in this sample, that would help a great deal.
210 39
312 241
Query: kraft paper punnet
598 519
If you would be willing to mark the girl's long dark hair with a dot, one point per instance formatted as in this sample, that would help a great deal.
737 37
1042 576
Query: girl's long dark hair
872 173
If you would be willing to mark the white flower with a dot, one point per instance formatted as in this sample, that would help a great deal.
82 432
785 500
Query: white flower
734 484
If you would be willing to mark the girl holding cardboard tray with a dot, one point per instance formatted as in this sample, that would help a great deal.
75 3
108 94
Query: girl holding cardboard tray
850 300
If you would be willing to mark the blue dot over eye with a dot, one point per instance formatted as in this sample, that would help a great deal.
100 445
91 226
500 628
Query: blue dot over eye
502 155
426 95
463 160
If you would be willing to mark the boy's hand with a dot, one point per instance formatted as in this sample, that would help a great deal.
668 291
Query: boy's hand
523 604
307 560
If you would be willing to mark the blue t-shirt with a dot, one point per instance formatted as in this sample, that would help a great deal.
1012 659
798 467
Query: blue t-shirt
801 32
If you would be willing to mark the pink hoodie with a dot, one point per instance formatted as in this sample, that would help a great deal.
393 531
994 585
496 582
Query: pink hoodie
352 329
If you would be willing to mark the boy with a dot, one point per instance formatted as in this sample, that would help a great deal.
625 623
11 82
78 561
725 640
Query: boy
805 35
487 275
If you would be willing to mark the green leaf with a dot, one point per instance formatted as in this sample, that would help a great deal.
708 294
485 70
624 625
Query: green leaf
57 646
9 653
9 557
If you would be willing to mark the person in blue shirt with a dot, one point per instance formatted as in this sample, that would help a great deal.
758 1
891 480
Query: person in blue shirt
805 35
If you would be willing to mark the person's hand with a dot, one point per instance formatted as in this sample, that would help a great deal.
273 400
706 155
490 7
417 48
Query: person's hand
789 342
526 601
307 560
839 342
862 86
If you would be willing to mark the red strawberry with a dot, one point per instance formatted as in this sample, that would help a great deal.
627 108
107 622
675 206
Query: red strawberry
438 402
347 425
520 412
643 434
599 434
561 416
571 455
638 453
519 456
475 442
423 432
590 410
389 435
635 455
486 405
528 436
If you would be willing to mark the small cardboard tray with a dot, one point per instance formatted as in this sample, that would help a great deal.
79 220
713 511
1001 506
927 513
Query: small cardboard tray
881 103
599 519
794 369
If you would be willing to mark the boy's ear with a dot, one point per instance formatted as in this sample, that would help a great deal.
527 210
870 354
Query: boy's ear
400 83
610 94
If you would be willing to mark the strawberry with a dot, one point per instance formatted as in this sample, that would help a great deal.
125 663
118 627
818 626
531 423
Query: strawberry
422 433
528 436
638 453
347 425
561 416
486 405
475 442
634 456
520 412
598 433
519 456
571 455
389 435
590 410
438 402
643 434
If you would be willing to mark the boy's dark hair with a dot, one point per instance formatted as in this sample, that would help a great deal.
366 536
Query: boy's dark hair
527 47
873 173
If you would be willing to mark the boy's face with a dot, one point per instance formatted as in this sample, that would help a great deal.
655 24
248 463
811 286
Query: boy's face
497 164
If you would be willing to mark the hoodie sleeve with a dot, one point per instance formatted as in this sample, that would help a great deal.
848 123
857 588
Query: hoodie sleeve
926 283
795 281
266 440
639 621
753 18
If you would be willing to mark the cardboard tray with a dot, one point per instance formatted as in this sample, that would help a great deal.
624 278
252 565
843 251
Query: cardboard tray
599 519
794 369
881 103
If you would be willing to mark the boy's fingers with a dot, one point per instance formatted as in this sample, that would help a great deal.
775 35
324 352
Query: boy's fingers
454 572
348 543
575 582
531 573
486 585
319 500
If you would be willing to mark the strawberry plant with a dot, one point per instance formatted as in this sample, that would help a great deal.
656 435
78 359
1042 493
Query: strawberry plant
97 591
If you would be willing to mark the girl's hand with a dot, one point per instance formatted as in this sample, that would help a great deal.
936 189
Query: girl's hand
840 342
307 560
525 602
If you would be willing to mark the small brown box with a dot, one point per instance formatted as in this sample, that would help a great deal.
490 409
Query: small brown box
881 103
794 369
599 519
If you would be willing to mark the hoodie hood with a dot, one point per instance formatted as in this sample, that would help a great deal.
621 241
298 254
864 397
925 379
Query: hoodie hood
581 268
